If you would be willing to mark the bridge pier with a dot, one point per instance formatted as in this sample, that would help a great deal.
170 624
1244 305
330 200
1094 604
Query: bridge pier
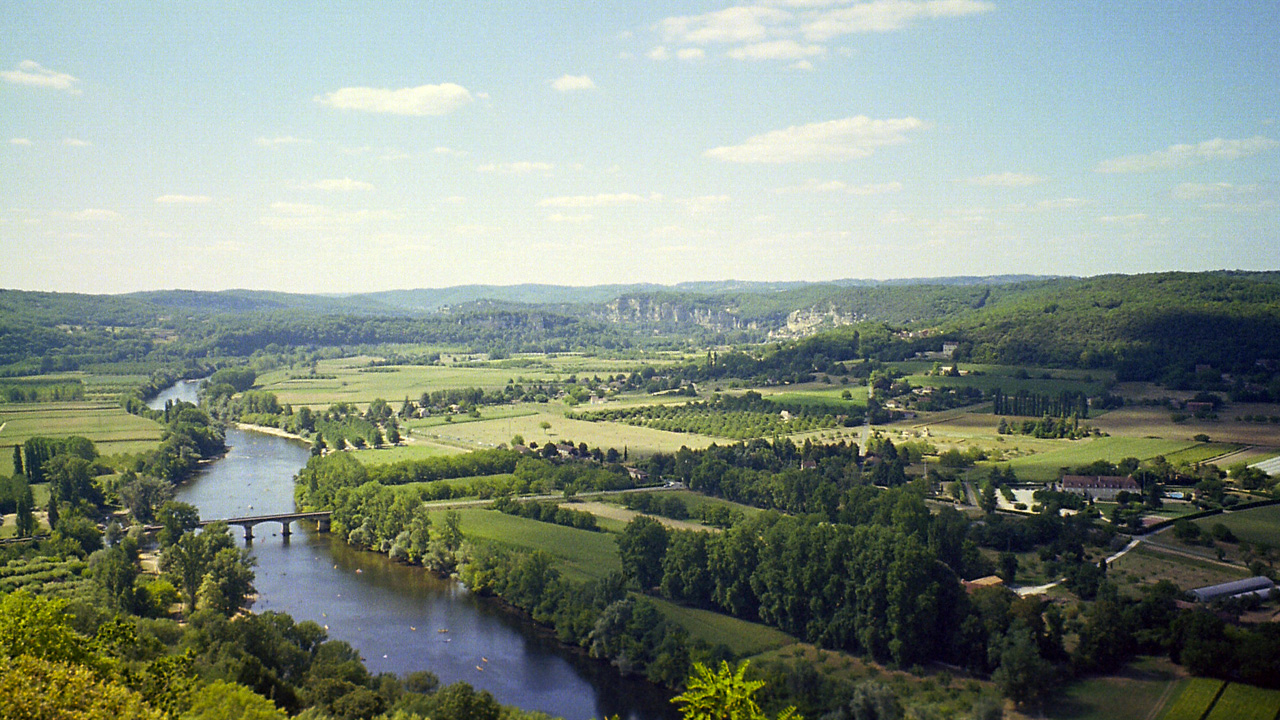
284 528
322 525
248 533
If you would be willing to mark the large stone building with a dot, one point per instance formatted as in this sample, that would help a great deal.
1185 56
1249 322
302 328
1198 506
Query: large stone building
1098 487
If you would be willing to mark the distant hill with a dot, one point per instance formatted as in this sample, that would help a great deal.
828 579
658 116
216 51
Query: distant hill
1142 326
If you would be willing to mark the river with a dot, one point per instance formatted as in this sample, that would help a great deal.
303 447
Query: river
400 618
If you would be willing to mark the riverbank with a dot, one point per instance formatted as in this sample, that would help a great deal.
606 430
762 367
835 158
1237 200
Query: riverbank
267 430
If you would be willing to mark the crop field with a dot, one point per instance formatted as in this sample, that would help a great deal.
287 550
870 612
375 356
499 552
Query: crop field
580 554
1245 702
637 441
1255 525
743 638
1148 421
110 428
353 380
1145 566
1044 466
1193 700
1201 452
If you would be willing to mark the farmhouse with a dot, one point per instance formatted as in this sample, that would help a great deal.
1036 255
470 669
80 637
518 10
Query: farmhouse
982 582
1101 487
1261 586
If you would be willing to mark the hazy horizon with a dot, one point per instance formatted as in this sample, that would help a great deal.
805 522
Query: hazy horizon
351 149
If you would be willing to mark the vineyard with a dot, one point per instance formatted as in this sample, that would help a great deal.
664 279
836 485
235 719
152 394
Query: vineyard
44 575
736 418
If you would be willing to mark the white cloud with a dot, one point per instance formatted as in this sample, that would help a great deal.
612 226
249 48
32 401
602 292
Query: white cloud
837 186
1006 179
341 185
32 74
422 100
21 141
569 83
184 199
776 50
773 30
598 200
95 214
283 140
884 16
743 24
1129 219
305 216
801 65
1066 203
703 203
569 219
515 168
1225 196
288 208
76 142
691 53
450 152
659 53
1176 156
388 153
833 140
1207 192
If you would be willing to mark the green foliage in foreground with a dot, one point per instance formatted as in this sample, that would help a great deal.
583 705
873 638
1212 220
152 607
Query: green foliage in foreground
724 694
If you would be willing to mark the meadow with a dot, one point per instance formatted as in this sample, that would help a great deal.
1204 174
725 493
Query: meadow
1130 694
581 555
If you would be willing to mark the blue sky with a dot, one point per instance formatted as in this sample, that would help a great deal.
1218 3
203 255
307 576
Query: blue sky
369 146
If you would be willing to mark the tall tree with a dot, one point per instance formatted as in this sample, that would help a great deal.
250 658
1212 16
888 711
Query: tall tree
641 547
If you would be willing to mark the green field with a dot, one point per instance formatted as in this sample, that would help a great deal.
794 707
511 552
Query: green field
581 554
821 395
416 451
110 428
989 377
1193 700
637 441
1130 694
1245 702
1255 525
1043 467
743 638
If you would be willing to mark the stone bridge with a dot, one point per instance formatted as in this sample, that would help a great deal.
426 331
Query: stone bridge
285 519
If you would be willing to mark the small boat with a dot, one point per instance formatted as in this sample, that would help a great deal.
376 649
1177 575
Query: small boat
480 668
413 628
443 630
